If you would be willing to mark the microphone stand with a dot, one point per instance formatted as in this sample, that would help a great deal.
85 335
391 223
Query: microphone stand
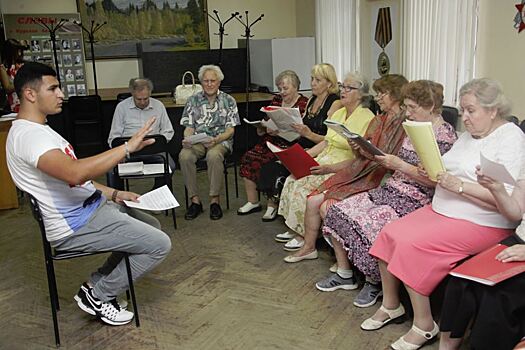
221 33
91 40
52 28
247 34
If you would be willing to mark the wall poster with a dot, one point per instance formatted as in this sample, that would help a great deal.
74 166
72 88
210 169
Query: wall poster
69 46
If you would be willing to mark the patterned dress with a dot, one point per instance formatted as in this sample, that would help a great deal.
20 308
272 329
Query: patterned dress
356 221
295 191
253 160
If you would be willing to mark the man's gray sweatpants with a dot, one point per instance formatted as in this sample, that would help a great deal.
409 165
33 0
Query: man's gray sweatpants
120 229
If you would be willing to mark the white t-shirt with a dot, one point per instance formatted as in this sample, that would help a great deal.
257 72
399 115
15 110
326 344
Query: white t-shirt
505 145
61 204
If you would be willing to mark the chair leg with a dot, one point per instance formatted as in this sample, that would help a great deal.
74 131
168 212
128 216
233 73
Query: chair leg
132 291
53 297
236 180
226 187
54 283
174 218
186 197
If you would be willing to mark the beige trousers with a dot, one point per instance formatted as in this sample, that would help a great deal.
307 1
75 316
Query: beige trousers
214 159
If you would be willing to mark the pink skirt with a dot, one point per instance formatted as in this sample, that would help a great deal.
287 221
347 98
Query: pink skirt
422 247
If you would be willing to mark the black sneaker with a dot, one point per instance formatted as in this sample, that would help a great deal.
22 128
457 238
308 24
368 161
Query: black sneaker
215 211
84 289
193 211
109 312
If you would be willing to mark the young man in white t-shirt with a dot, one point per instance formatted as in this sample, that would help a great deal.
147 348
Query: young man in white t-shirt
77 213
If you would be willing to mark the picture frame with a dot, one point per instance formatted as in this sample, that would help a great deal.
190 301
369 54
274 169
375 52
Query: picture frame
132 26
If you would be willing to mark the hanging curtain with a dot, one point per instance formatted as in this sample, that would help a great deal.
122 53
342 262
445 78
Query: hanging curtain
337 35
438 42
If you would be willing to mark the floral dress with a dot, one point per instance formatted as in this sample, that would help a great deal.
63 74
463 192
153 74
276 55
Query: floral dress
356 221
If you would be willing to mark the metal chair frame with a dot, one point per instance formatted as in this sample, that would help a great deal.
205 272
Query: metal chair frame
50 255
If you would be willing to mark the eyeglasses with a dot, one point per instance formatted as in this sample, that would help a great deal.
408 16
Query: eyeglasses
346 88
410 108
209 82
380 95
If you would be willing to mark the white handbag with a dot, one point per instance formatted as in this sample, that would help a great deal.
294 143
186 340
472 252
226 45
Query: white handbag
183 92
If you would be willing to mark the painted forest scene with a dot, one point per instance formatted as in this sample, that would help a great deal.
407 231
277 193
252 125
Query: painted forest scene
159 25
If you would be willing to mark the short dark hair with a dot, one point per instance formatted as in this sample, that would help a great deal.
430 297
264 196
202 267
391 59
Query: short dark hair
30 74
391 84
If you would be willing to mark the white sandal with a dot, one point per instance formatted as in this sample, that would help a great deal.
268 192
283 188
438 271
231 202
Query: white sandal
430 336
395 316
270 214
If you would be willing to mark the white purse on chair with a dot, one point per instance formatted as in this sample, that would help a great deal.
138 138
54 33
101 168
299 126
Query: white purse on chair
183 91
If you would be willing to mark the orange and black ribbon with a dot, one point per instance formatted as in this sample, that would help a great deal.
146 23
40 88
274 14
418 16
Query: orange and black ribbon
383 27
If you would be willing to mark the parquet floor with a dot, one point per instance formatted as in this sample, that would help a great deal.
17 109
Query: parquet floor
224 286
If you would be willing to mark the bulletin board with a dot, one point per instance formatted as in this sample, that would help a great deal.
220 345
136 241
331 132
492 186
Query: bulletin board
69 45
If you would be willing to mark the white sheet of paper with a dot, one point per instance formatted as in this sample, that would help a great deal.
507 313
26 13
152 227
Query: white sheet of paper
496 171
131 168
159 199
199 138
150 169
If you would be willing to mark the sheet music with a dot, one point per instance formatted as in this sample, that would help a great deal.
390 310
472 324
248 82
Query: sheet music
496 171
159 199
6 117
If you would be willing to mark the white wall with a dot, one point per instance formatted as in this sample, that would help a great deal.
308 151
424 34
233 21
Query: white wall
501 50
279 22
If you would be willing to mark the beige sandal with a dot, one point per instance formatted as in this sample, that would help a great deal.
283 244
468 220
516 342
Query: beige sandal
430 336
395 316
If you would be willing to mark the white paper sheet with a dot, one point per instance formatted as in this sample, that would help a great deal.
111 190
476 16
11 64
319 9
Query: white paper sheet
496 171
150 169
131 168
159 199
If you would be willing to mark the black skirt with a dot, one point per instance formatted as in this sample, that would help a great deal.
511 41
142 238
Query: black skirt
271 179
498 312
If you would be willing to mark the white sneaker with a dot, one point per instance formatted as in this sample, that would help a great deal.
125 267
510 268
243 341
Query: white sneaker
249 208
293 245
284 237
270 215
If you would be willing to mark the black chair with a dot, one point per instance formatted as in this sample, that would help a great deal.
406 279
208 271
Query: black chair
122 96
229 161
86 125
522 125
451 115
156 153
50 255
513 119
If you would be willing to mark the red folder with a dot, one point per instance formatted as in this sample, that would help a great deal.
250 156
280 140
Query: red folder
295 159
484 268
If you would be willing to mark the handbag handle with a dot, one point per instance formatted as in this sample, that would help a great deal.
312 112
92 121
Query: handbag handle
184 78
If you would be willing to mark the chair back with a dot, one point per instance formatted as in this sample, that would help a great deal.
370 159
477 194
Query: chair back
122 96
85 108
451 115
154 153
513 119
37 214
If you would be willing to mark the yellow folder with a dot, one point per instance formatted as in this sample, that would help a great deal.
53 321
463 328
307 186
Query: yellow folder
422 137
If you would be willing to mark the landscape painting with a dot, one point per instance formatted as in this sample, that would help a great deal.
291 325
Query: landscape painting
158 25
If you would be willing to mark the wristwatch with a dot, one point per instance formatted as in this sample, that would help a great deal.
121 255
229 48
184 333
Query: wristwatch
460 189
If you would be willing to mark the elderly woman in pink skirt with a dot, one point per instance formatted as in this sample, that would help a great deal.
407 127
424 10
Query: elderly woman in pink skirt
421 248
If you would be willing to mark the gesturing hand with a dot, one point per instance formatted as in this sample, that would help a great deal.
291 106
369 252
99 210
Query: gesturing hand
137 142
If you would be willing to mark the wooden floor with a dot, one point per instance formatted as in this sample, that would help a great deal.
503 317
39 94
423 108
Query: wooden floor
223 286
